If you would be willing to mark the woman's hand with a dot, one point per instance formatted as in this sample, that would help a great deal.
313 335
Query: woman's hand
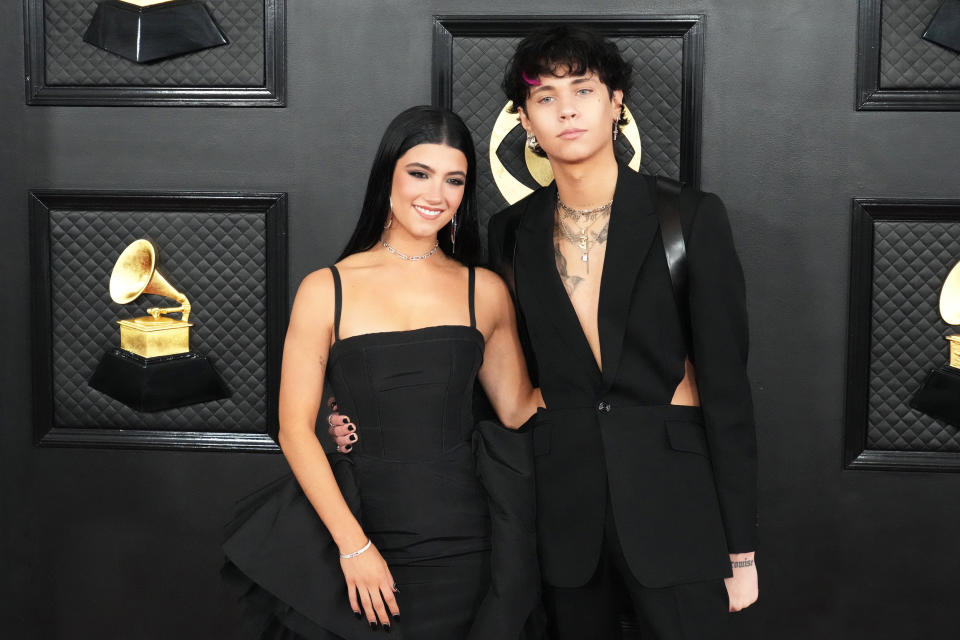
370 585
341 428
743 588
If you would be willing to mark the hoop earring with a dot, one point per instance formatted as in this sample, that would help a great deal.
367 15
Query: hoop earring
389 221
532 141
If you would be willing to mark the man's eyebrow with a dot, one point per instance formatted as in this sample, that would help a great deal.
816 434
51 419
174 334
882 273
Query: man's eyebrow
550 87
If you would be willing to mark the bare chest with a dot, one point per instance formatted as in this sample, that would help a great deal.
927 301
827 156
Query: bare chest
580 269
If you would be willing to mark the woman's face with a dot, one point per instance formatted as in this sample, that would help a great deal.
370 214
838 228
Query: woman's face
428 184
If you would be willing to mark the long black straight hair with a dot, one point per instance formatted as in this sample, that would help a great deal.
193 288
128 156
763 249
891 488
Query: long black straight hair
419 125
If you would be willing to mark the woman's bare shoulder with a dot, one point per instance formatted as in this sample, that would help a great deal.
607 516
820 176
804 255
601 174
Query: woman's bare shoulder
492 292
316 290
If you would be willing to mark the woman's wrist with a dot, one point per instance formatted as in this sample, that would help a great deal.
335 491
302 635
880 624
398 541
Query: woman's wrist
354 554
350 541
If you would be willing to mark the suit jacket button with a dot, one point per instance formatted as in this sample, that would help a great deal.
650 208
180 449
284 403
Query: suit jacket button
604 407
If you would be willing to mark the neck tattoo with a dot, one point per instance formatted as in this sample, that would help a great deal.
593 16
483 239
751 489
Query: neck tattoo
404 256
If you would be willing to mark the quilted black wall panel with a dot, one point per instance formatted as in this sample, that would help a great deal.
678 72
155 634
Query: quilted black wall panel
471 52
901 253
654 101
225 252
907 61
217 259
896 68
71 61
250 70
910 262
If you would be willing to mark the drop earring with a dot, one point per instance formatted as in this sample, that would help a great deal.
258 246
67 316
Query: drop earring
453 234
616 129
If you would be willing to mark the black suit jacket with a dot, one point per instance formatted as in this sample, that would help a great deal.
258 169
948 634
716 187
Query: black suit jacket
681 480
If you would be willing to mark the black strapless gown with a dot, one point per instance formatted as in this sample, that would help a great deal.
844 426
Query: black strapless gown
423 481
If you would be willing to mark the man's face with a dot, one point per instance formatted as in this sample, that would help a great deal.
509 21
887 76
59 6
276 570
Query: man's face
572 116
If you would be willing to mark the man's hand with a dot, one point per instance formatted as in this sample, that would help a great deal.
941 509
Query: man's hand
743 588
341 428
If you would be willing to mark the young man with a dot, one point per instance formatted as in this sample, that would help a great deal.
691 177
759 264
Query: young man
638 487
646 452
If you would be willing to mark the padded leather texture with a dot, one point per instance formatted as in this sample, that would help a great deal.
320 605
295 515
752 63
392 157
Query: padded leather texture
907 61
655 102
240 63
218 259
911 261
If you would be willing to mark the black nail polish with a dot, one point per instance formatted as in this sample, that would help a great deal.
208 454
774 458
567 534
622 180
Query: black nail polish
357 614
352 438
345 421
395 616
351 428
374 625
386 628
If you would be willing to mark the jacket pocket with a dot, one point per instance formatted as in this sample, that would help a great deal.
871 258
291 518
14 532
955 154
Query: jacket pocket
687 436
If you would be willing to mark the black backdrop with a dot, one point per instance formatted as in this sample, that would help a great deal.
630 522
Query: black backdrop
123 544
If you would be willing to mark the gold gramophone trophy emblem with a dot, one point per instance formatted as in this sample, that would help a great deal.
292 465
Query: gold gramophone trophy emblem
134 274
939 395
154 368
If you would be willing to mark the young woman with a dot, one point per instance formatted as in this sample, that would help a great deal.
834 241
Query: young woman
401 327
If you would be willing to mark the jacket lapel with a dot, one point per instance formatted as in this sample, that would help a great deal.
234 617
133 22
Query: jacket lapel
632 229
538 281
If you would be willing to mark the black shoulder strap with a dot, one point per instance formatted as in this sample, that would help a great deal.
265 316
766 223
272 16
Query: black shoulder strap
671 231
337 302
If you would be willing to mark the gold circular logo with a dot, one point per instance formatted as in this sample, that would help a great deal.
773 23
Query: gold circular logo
513 189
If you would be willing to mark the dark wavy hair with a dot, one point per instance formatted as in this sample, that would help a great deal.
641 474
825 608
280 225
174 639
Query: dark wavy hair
565 50
419 125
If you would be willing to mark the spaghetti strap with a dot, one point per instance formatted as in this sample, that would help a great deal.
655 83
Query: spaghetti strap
337 302
472 288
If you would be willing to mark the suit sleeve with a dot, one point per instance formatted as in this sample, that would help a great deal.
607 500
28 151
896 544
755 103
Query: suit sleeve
718 318
502 238
496 237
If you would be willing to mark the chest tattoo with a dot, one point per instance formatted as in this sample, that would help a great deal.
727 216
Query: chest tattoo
571 280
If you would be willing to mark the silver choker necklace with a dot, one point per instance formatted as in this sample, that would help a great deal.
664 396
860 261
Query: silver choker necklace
404 256
580 213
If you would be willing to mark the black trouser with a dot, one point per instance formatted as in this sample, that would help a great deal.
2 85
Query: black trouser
695 611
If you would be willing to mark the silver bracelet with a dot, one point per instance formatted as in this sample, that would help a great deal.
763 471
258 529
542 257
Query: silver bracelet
345 556
737 564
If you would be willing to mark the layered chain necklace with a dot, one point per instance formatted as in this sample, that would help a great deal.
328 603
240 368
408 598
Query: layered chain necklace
584 219
404 256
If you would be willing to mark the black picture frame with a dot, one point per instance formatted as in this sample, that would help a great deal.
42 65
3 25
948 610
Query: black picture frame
689 27
272 92
856 454
870 95
273 206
